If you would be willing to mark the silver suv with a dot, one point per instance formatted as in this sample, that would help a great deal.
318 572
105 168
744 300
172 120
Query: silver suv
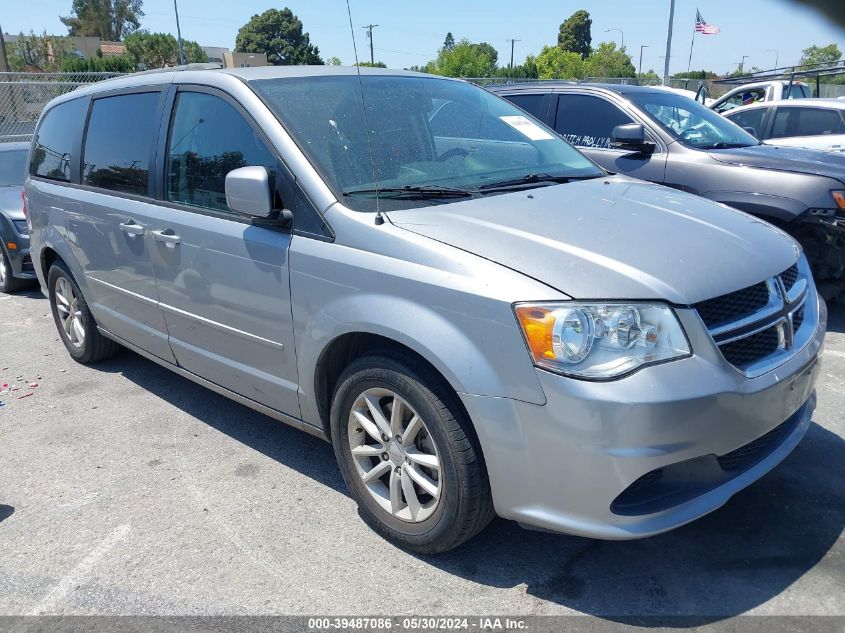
478 317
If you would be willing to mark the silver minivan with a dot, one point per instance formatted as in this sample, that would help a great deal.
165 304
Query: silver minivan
480 319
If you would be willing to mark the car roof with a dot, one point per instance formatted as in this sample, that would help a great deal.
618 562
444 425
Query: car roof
548 86
829 104
764 84
17 145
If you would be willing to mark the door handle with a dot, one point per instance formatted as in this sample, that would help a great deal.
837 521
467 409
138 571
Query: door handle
167 237
132 228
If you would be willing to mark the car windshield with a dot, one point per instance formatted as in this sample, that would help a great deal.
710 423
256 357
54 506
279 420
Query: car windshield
12 167
430 140
691 123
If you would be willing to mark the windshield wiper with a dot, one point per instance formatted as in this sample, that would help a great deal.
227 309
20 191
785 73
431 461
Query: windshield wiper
723 145
412 191
530 180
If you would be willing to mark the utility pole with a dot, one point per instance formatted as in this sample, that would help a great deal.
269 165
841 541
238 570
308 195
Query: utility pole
777 55
512 42
640 71
742 63
179 36
668 43
370 28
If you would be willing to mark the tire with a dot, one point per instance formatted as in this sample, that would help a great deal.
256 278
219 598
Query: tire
9 283
420 520
83 341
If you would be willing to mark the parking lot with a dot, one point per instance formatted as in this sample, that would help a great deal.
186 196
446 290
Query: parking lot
125 489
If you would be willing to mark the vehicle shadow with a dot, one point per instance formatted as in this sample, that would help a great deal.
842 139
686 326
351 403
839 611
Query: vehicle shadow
737 558
836 317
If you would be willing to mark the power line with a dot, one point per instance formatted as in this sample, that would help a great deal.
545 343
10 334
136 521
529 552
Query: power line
369 28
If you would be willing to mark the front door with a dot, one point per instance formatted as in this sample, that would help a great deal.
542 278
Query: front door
587 121
223 282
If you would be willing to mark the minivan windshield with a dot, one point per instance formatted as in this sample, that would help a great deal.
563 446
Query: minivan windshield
430 140
12 167
691 123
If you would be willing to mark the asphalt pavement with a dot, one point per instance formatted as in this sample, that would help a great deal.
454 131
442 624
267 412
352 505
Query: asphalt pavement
125 489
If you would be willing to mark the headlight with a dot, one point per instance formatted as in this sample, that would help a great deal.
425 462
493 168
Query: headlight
600 341
21 227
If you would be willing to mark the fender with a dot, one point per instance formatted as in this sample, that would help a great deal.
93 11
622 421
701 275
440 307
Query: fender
768 206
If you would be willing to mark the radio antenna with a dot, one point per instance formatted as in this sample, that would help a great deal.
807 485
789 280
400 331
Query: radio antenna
379 218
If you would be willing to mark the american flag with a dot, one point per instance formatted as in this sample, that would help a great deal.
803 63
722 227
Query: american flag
702 27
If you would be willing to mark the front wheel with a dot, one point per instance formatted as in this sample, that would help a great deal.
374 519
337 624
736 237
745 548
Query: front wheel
8 282
408 455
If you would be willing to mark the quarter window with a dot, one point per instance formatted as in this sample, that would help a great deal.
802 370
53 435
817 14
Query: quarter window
53 145
587 121
208 139
118 142
806 122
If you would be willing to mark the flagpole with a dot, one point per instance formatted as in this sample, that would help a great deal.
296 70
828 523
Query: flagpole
689 63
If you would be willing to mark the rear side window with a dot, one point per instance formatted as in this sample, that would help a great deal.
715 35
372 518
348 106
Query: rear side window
208 139
121 133
587 121
806 122
530 103
750 119
53 144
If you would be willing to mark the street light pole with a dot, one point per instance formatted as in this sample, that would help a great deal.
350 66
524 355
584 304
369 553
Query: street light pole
642 46
179 36
622 33
668 43
777 55
742 63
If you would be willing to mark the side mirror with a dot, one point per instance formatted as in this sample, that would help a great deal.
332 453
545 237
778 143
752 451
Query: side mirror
631 136
248 192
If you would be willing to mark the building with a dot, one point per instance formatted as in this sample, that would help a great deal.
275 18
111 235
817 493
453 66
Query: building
112 49
244 60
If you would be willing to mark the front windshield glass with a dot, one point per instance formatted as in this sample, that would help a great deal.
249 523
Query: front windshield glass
691 123
444 139
12 167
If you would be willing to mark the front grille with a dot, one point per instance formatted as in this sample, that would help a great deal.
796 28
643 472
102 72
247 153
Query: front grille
745 351
752 324
789 277
733 306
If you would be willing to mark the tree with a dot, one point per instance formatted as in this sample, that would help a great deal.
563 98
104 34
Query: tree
554 62
157 50
574 34
449 42
40 53
113 64
372 64
607 61
279 34
334 61
820 55
110 20
696 74
465 59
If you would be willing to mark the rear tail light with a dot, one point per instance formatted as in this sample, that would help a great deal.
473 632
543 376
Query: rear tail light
26 212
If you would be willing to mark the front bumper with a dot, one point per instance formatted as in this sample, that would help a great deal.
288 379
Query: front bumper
561 466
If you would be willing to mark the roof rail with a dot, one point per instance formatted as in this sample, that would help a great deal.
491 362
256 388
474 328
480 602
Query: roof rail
170 69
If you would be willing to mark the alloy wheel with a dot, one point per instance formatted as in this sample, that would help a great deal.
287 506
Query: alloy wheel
70 316
4 271
395 455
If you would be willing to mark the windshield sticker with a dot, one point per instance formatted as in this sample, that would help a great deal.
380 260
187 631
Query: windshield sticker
527 128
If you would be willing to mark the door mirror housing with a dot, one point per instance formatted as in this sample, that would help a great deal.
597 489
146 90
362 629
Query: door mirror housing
631 136
248 192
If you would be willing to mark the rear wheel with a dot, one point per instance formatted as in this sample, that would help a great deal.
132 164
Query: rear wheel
76 325
8 283
408 455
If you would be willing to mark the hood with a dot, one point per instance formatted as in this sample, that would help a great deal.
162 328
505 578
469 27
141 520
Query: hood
11 203
613 238
779 158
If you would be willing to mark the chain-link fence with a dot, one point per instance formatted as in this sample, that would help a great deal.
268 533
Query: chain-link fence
24 95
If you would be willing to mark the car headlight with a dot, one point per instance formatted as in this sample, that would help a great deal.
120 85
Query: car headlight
21 227
600 341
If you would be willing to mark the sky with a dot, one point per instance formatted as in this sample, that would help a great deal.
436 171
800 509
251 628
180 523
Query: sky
410 33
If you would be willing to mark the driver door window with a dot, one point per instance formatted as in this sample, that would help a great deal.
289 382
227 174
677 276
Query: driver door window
208 139
587 121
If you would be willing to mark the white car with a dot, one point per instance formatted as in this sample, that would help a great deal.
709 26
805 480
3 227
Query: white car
811 123
760 92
